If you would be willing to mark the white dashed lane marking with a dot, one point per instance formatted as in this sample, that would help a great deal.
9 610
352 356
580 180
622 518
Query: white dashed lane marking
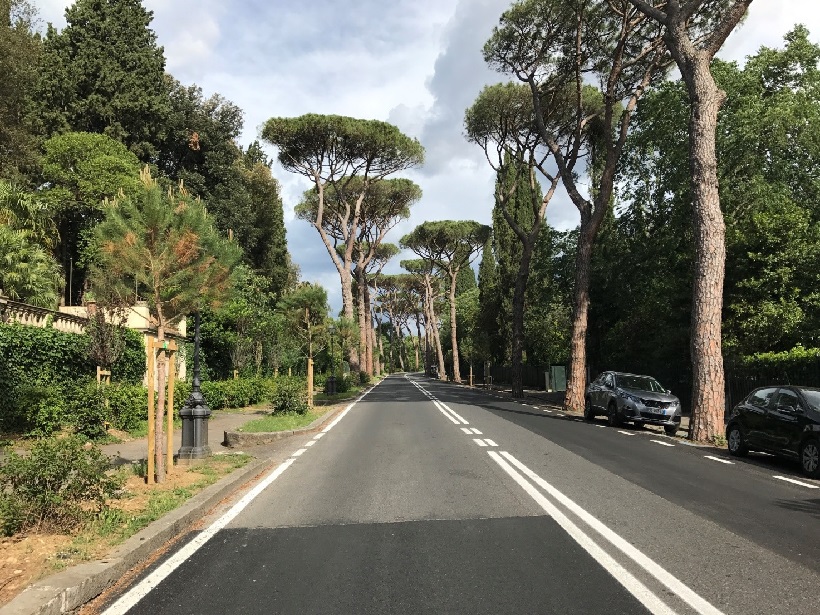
476 431
797 482
662 443
467 430
726 461
479 441
626 433
490 442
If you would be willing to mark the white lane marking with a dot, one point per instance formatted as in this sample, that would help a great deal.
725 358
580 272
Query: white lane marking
652 602
490 442
626 433
476 431
299 452
467 430
318 436
601 426
686 594
144 587
547 410
559 414
445 413
796 482
139 591
726 461
662 443
454 413
311 443
479 441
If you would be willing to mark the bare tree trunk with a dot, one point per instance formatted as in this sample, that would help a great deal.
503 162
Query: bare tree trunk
346 278
368 328
453 332
418 339
708 399
434 329
576 381
360 294
400 348
519 294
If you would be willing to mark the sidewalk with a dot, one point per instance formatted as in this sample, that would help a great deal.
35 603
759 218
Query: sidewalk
132 451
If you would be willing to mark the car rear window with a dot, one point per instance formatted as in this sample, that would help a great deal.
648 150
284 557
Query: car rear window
813 397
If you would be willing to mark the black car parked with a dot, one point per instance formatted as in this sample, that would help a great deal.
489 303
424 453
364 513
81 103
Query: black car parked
784 420
630 397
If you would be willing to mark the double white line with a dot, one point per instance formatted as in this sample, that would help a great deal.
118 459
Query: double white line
647 597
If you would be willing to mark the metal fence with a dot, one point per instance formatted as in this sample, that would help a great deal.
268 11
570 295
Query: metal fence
740 380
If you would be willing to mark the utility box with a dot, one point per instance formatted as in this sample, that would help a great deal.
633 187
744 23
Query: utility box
557 380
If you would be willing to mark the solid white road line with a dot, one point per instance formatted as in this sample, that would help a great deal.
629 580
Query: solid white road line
646 597
726 461
797 482
490 442
699 604
626 433
467 430
445 413
140 590
454 413
662 443
479 441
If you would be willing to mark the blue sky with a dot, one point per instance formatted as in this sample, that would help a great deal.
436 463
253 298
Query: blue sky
414 63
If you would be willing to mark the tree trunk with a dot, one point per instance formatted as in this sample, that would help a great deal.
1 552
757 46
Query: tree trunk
362 315
418 339
708 395
368 324
400 346
453 332
434 328
159 415
346 277
576 381
519 295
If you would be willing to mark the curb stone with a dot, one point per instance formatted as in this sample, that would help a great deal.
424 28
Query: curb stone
70 589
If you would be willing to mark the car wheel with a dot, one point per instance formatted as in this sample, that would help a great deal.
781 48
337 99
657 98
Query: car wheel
736 441
810 458
612 416
588 413
670 430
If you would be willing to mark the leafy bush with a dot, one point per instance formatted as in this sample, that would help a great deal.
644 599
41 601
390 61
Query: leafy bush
87 411
58 485
290 396
364 378
42 408
343 383
127 404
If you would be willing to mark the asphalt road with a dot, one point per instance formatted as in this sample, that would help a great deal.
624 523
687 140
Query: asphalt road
430 498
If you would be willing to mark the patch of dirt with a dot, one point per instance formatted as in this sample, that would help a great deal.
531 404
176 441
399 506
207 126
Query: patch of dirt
29 557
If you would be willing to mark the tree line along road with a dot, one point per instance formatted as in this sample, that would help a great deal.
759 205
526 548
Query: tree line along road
425 497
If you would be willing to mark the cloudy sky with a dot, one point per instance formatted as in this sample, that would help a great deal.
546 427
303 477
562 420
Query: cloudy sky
414 63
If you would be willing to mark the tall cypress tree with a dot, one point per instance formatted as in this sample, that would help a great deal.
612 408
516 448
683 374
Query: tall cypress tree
489 301
104 73
506 245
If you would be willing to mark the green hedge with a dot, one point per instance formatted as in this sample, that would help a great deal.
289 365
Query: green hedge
42 408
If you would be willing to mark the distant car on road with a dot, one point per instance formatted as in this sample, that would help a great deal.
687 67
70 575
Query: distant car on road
631 397
784 420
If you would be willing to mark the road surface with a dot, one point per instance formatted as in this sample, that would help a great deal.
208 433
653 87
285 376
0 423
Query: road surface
426 497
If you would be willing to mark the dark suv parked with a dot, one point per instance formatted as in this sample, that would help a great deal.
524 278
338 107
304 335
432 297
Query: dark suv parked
629 397
784 420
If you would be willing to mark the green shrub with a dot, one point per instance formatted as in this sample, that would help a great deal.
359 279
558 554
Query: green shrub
290 396
127 405
58 485
215 396
182 391
343 383
87 411
42 406
364 378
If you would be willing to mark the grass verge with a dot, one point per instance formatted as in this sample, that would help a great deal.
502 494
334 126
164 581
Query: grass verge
280 422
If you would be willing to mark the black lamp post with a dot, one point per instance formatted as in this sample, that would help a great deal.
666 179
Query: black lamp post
330 384
195 413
